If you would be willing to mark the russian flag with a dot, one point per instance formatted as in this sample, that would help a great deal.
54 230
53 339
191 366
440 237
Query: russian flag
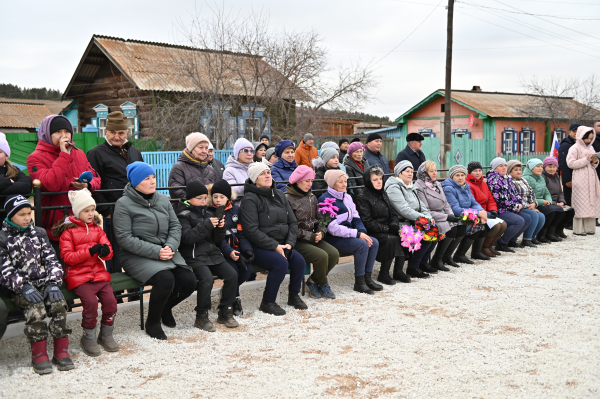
555 146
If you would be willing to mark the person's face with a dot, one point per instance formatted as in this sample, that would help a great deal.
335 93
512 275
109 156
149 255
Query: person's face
288 154
375 145
116 138
588 138
573 134
211 154
344 146
87 215
265 140
2 158
341 184
200 152
406 175
305 185
357 155
273 159
477 173
309 142
459 178
333 162
432 172
551 169
415 145
260 154
245 155
516 172
219 199
502 169
264 180
597 128
148 185
59 134
199 200
22 218
377 181
538 169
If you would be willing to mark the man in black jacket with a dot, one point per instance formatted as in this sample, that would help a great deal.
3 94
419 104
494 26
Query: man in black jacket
412 153
565 171
110 160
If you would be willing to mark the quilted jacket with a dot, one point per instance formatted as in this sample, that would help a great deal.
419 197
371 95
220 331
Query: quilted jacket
586 189
505 193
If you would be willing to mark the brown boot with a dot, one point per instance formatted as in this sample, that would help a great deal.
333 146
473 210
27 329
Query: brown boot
493 249
486 248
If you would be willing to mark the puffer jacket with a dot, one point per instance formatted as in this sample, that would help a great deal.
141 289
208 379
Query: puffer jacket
436 202
57 170
307 214
586 189
405 200
504 192
267 217
321 186
142 227
199 239
538 185
236 173
76 239
377 159
21 184
187 169
281 171
347 223
460 199
482 193
555 188
218 167
26 257
353 170
305 154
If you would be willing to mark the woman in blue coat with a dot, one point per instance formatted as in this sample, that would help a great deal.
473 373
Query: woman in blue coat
283 168
459 196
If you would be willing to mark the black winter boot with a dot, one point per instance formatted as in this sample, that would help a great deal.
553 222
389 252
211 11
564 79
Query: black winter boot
541 237
461 252
560 231
384 273
551 235
476 251
271 308
399 274
372 284
226 317
361 286
203 322
436 261
504 248
417 273
447 257
295 301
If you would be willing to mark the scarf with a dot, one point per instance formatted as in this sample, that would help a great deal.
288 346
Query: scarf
360 165
194 160
303 193
423 175
16 225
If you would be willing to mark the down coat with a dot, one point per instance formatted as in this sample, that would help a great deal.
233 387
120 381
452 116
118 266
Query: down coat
267 217
482 194
236 172
142 228
555 188
538 185
347 223
586 188
354 170
305 209
405 200
460 199
281 171
187 169
76 239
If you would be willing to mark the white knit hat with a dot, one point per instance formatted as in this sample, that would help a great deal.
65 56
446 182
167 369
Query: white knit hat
80 199
255 169
193 139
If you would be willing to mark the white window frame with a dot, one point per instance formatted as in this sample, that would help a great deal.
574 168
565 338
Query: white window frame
509 148
526 141
101 127
252 126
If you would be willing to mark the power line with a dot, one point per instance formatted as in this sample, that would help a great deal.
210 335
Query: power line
532 14
457 49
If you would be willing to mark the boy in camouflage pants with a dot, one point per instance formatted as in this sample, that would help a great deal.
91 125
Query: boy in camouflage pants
32 275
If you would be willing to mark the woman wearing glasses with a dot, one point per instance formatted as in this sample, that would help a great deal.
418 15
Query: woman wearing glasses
236 168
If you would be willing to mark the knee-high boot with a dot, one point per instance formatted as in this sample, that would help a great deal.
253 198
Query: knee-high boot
461 252
399 270
476 252
384 273
436 260
447 257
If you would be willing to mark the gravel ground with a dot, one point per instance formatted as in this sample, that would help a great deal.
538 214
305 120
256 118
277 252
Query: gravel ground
525 325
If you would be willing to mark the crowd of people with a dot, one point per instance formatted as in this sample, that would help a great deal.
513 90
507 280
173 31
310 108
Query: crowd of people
263 209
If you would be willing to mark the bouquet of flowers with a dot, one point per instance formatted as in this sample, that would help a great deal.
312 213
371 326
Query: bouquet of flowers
329 212
410 239
470 217
429 229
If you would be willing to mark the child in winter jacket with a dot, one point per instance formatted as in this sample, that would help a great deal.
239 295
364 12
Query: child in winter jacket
235 247
201 234
83 246
32 275
328 160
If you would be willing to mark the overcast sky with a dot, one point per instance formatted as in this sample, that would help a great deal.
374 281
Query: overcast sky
41 42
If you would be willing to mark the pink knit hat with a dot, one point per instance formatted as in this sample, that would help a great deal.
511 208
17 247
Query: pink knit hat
357 145
549 161
302 173
332 176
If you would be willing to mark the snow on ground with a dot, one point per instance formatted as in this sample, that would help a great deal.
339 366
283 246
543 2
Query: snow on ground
522 325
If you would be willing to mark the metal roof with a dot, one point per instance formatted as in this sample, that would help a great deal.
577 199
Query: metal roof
19 115
172 68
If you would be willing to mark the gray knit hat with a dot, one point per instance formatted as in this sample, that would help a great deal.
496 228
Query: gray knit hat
308 136
400 166
269 153
457 169
497 162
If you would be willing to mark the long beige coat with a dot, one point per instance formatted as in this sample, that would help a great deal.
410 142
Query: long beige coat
586 188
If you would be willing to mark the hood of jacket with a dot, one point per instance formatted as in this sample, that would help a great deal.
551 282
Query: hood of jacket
265 192
473 180
237 165
70 222
283 164
132 194
529 174
452 183
393 180
581 131
44 134
292 191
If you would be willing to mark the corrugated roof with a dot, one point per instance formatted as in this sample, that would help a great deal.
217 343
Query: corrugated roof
54 106
19 115
166 67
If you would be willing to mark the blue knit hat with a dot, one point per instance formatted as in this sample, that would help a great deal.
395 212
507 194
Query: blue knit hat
533 162
282 145
138 171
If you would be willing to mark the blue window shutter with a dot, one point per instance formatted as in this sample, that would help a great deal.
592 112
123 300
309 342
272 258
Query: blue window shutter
532 141
469 134
521 143
432 134
504 141
515 142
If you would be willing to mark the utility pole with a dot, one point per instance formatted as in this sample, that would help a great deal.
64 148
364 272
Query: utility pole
446 139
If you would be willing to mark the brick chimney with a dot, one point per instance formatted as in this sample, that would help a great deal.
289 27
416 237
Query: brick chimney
476 88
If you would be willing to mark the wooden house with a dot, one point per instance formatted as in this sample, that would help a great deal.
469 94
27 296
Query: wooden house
21 117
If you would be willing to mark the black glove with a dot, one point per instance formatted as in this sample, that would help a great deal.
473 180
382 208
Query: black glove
394 229
95 249
242 265
452 218
105 251
493 215
249 255
53 293
30 294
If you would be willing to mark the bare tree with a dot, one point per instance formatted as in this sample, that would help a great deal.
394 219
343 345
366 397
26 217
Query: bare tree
239 64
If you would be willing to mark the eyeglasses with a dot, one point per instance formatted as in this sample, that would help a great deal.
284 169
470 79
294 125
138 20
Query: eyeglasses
248 151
